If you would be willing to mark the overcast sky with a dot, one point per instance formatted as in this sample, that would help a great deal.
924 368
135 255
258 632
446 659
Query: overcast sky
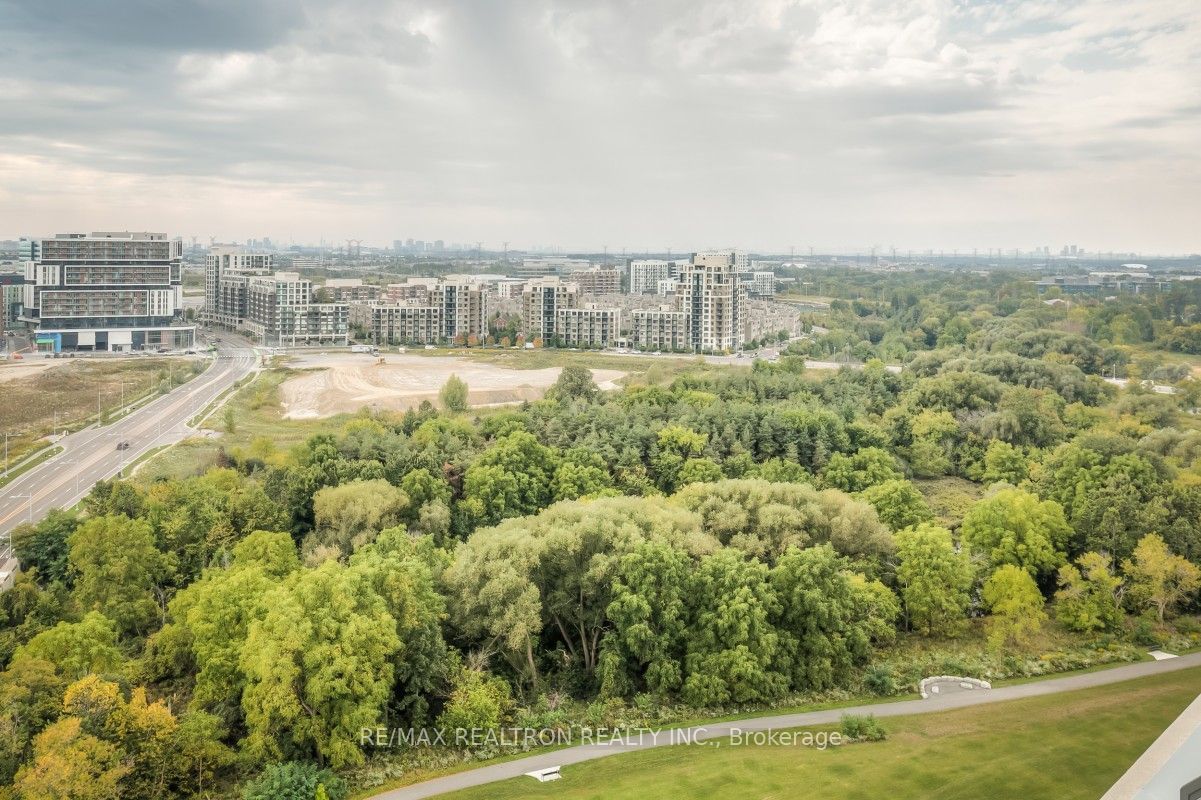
580 123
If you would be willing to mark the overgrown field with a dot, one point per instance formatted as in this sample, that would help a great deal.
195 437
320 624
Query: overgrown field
67 391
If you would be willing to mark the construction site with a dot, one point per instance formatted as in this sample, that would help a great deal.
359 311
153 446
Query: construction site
337 383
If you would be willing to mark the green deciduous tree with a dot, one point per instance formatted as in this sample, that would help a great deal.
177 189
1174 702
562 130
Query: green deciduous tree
118 571
823 635
1016 605
763 519
856 472
44 545
76 648
645 647
1013 526
574 383
352 514
898 503
216 612
733 649
1004 462
319 666
934 579
454 395
1088 596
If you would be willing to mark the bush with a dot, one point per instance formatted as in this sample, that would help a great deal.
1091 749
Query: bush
294 780
477 702
1146 634
880 680
862 728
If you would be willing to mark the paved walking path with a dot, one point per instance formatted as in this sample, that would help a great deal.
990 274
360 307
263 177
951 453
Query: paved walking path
718 730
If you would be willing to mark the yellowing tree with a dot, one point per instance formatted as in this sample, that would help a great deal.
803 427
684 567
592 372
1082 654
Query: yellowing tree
1016 605
69 764
1159 578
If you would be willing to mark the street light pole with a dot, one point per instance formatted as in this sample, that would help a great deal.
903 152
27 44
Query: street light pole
30 512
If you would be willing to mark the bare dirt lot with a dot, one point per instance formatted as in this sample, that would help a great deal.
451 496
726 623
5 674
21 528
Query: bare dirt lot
345 382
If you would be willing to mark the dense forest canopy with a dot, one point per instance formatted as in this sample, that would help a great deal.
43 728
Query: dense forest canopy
731 537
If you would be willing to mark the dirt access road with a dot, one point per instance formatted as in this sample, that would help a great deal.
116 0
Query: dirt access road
337 383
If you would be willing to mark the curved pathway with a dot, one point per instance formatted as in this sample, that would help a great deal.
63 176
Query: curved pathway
718 730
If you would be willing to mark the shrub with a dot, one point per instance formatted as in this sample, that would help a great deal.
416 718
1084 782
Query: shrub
880 680
294 780
1145 633
862 728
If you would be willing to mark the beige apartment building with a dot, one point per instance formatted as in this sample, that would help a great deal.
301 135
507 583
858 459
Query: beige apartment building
713 295
662 328
541 302
408 323
588 326
598 281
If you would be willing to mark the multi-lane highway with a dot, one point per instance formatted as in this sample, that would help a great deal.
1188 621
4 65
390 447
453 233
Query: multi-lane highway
91 454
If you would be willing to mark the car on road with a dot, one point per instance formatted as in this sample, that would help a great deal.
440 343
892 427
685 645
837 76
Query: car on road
123 445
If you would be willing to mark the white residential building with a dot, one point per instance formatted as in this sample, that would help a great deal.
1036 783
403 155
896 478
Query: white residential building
597 281
645 275
464 305
227 270
762 284
109 290
405 323
280 311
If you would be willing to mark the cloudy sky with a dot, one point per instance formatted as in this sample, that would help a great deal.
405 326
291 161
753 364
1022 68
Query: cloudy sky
581 123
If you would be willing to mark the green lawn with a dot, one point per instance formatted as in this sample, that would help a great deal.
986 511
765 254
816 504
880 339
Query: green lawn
1072 745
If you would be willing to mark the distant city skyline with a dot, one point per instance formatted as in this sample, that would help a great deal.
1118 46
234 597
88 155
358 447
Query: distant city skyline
837 124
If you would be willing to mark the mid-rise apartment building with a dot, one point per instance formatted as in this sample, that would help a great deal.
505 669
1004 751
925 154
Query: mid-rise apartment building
588 326
597 281
108 290
405 323
12 291
351 290
541 302
662 328
464 305
549 267
281 311
645 274
227 272
762 284
417 289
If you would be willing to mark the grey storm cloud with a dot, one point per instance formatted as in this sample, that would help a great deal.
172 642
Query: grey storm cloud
761 123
